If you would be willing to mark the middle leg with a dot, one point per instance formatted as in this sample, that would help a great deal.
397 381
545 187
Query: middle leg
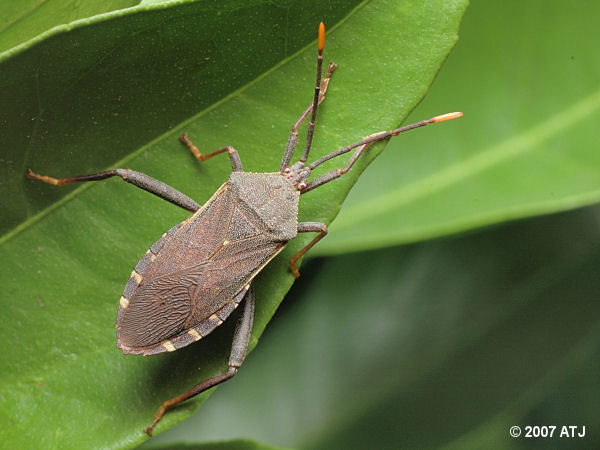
307 227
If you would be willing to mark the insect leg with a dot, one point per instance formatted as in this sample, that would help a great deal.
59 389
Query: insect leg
241 338
293 139
138 179
236 162
306 227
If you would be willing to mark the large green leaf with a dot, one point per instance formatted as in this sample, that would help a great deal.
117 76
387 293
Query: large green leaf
525 75
433 345
118 91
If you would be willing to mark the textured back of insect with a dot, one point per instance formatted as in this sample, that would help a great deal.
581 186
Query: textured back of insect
270 199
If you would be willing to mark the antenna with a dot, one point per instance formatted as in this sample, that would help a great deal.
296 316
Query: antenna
311 125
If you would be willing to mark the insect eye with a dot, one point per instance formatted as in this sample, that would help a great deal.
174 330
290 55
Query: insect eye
287 169
302 185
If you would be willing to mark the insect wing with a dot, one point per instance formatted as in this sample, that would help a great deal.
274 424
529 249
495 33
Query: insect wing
192 277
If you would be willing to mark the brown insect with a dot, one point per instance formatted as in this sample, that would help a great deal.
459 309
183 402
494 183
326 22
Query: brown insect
199 271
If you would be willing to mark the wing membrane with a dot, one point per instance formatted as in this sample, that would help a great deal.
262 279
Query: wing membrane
196 269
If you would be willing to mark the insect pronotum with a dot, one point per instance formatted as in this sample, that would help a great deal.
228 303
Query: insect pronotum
198 272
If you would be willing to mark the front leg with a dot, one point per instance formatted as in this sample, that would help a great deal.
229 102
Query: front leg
307 227
236 162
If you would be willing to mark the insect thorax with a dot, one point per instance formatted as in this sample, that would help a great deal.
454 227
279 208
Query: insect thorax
270 198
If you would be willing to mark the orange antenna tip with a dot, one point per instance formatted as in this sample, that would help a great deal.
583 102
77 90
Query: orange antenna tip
321 36
449 116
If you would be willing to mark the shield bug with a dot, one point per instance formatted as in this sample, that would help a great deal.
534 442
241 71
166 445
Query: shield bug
198 272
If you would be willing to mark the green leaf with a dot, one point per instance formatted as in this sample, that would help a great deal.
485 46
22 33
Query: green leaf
527 144
118 91
444 344
23 20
